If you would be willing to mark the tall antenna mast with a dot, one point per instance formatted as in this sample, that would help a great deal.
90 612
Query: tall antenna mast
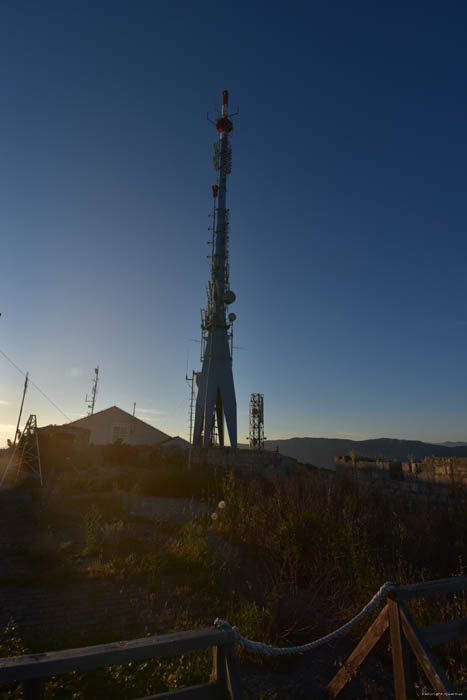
216 393
92 401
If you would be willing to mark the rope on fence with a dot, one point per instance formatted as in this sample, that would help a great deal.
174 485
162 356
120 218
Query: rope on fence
279 651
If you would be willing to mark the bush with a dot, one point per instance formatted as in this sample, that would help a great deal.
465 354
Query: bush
58 454
173 479
119 454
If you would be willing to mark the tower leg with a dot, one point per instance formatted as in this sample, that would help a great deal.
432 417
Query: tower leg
220 418
209 412
200 410
230 407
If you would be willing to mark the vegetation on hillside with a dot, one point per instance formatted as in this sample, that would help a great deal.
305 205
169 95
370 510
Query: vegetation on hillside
286 560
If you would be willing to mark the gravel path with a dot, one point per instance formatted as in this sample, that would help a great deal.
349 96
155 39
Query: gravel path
179 509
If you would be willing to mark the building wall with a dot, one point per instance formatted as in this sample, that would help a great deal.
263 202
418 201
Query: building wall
112 424
264 462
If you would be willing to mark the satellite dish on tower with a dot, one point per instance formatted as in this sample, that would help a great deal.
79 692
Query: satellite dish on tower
232 317
229 297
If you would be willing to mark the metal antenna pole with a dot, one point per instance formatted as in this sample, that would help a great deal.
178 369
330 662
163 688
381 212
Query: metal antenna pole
134 408
21 409
191 380
39 465
92 401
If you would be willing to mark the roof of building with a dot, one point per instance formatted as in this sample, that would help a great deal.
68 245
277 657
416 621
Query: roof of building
115 410
176 442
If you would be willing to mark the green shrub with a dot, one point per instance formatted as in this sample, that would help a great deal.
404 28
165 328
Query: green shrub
112 533
11 642
93 522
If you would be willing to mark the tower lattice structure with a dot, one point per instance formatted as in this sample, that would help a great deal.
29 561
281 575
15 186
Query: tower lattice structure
256 436
25 459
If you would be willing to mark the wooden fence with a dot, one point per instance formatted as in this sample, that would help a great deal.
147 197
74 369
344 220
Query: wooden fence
33 670
406 636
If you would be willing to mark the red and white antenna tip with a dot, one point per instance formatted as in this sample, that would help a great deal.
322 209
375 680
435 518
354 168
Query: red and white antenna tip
225 97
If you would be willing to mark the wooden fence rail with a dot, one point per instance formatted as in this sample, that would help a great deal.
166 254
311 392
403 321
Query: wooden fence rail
33 670
406 637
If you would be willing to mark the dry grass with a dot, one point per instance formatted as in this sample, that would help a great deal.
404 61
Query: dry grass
324 541
285 561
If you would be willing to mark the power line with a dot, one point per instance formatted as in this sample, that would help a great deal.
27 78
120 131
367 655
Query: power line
35 385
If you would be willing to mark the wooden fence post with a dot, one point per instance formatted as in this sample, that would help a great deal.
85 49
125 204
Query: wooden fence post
425 656
359 654
403 687
219 671
233 676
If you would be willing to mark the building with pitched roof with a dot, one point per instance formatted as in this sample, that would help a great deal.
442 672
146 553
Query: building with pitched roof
113 424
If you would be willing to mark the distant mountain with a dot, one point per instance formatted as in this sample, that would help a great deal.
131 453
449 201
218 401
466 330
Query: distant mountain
453 444
321 451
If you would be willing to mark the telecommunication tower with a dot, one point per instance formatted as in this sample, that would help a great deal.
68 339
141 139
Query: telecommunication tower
92 401
256 437
216 393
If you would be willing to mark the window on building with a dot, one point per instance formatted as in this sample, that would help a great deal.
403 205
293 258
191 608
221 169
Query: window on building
119 432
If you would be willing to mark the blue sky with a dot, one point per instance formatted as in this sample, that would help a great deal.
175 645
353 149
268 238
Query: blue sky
347 198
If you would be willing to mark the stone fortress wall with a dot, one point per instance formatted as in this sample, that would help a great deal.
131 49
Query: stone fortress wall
434 478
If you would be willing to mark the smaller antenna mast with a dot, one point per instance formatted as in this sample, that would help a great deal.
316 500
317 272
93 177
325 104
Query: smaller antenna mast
256 436
191 382
92 401
26 456
21 409
134 408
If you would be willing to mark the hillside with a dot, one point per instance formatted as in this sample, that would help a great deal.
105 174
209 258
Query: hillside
321 451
